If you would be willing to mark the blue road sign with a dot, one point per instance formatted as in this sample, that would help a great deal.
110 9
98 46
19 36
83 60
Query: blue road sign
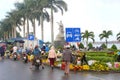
31 37
73 35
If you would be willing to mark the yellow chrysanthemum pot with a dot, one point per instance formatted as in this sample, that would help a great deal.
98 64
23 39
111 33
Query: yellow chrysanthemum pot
86 67
71 67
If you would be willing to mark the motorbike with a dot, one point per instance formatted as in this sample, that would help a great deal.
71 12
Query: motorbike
15 56
7 54
25 58
37 62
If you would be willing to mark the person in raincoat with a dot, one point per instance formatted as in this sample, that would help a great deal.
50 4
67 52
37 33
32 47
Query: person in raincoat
52 56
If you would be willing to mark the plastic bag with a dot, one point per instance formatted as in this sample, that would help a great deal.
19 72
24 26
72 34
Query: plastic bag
63 65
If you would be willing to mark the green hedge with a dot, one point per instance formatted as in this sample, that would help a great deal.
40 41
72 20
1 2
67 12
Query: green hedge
101 56
97 54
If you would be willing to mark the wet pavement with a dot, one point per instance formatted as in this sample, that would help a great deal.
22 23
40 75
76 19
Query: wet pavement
17 70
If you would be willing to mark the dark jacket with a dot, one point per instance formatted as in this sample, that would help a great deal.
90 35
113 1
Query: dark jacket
67 55
2 50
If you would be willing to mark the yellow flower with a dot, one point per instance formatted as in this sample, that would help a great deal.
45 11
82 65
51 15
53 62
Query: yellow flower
86 67
71 66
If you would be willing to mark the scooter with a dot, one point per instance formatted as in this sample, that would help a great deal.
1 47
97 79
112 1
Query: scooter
37 63
7 54
25 58
15 56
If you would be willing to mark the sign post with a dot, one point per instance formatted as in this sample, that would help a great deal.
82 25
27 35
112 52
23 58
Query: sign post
73 35
31 38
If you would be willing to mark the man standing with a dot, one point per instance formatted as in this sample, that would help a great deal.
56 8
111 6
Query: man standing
67 55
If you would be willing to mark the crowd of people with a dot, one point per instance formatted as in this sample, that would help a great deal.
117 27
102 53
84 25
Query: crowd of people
67 56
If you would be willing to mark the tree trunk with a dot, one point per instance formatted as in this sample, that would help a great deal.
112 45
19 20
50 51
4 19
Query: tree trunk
52 27
24 29
87 44
106 42
27 28
7 35
4 36
42 30
34 31
14 31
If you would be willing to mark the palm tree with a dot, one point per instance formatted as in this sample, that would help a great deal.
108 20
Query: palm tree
33 14
118 36
105 34
5 29
54 5
36 12
22 10
40 14
14 19
44 16
25 9
86 35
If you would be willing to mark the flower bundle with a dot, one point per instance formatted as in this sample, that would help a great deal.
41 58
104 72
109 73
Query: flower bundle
99 66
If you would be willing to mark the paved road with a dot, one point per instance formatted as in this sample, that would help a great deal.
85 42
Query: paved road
17 70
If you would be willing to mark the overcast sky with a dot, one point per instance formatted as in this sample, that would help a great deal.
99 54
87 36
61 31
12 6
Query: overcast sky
91 15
